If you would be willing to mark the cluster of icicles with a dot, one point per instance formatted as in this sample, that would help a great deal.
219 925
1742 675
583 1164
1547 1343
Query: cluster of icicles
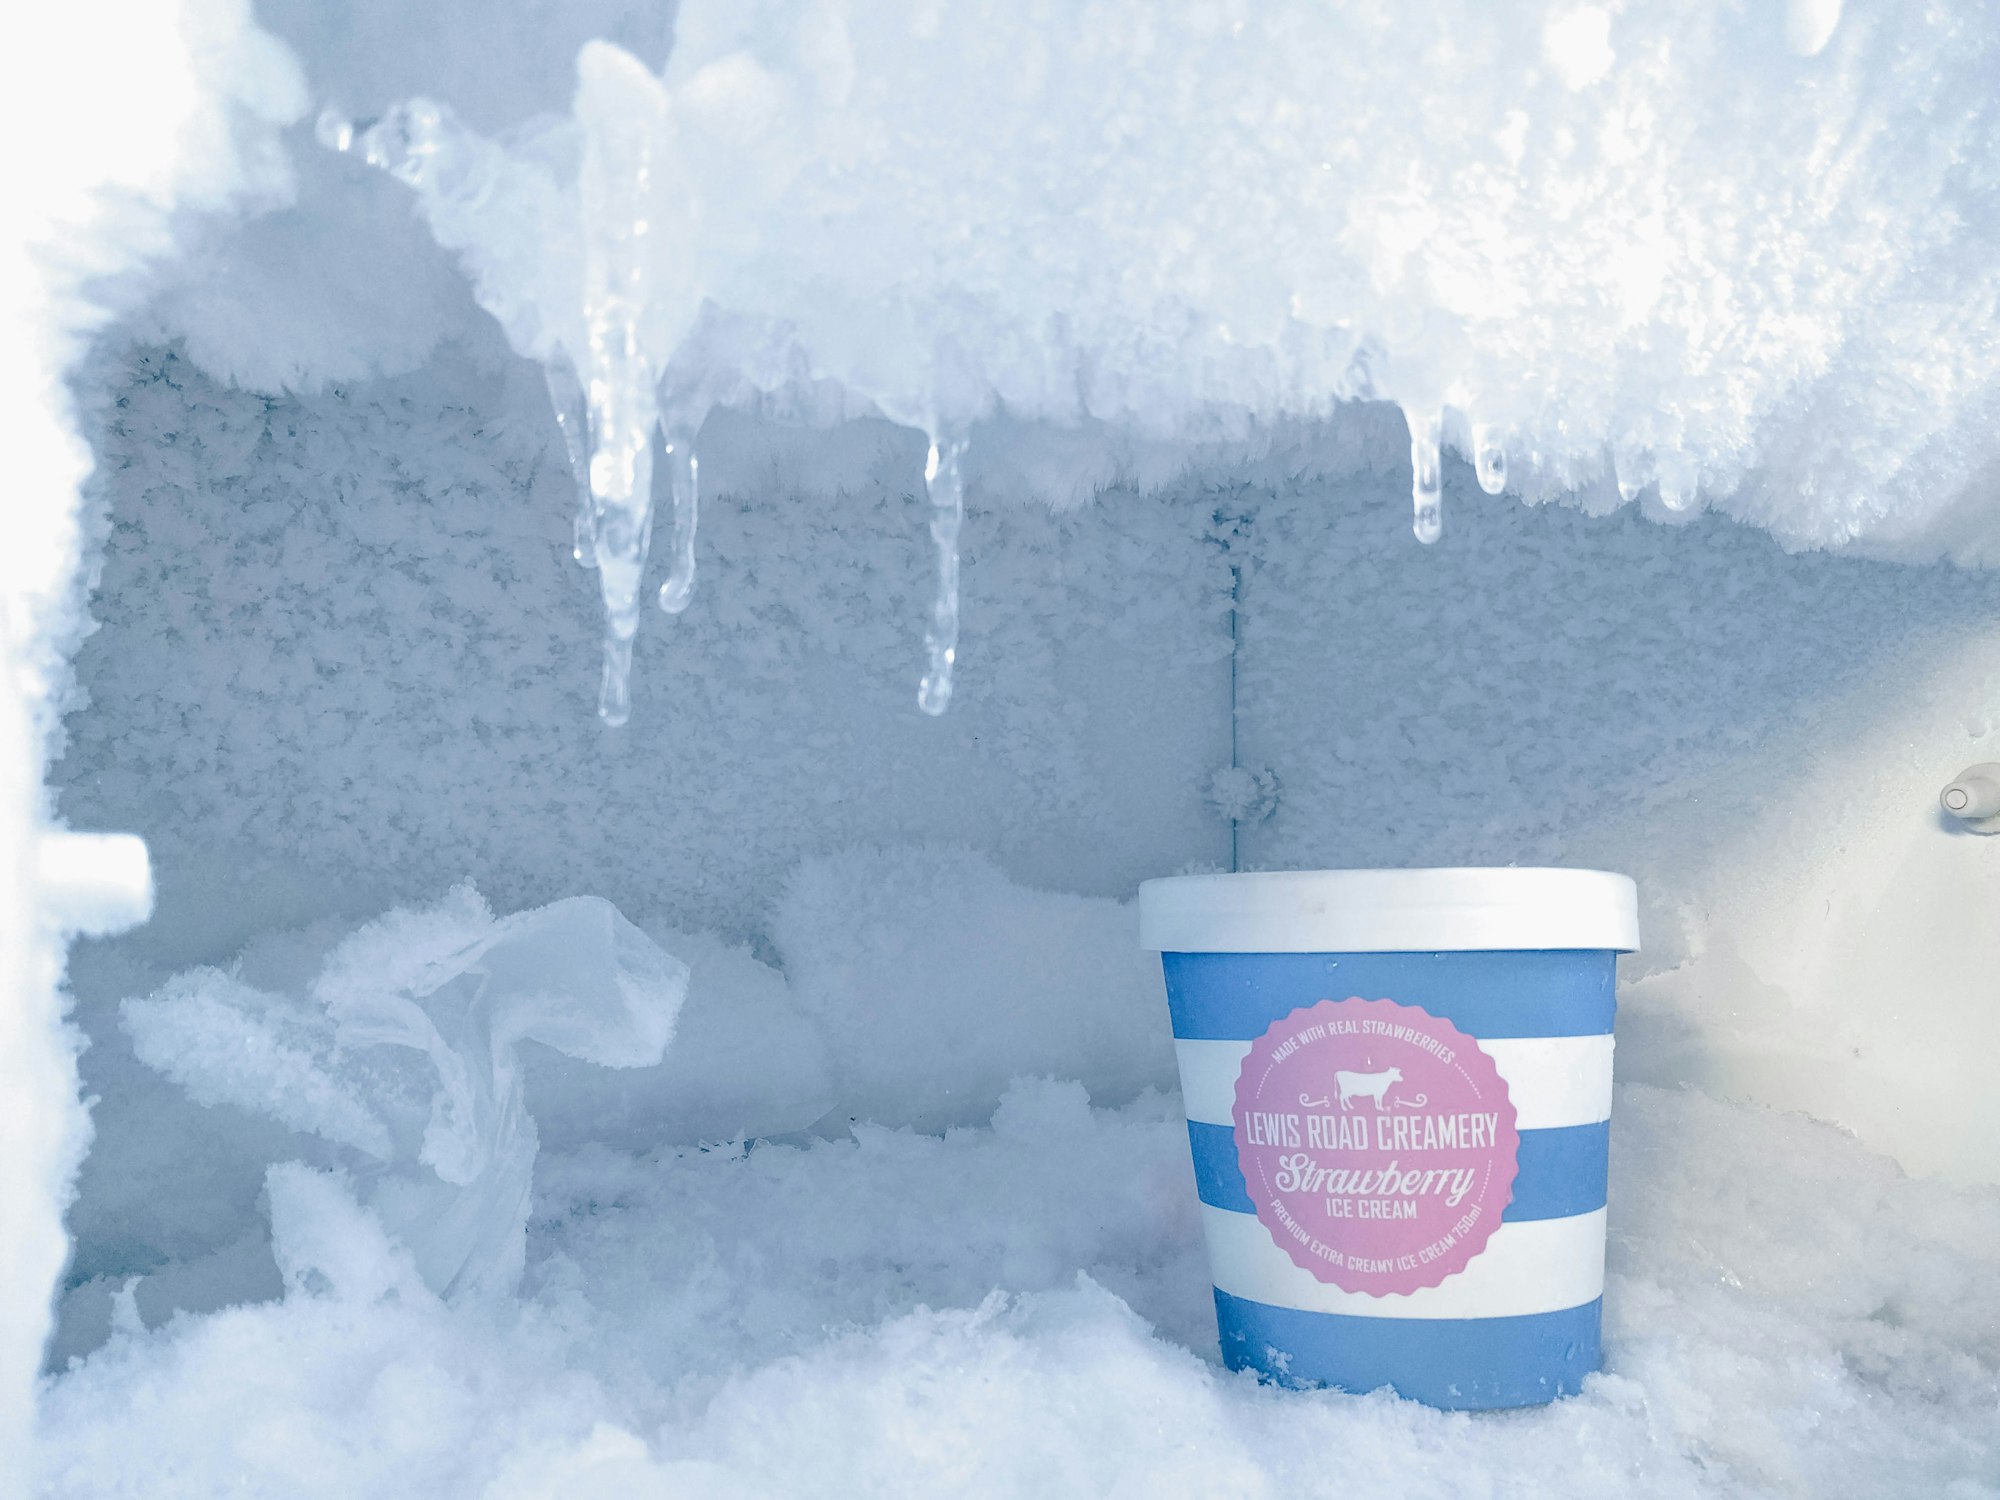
622 439
617 544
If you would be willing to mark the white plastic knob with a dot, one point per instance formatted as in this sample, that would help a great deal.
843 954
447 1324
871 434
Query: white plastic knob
1974 797
94 884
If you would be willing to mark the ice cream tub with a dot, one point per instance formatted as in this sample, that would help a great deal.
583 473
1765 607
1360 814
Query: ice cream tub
1398 1093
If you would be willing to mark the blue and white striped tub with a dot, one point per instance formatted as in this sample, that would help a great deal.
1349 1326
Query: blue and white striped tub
1519 1324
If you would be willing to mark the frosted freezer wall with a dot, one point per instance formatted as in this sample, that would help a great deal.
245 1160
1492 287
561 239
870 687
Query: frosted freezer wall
302 730
1686 259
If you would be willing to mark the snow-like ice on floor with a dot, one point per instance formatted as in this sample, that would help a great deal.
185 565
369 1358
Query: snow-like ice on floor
1015 1302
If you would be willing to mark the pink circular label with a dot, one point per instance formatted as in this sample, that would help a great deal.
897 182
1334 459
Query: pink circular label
1377 1141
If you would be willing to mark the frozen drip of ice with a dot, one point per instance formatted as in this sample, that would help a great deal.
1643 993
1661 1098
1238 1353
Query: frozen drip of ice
573 421
1633 469
623 119
944 484
683 468
1426 473
1489 458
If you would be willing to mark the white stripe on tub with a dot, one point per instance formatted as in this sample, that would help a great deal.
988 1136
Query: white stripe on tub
1553 1080
1535 1266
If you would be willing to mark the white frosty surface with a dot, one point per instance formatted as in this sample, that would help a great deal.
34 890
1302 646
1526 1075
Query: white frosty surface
1021 1308
1749 248
226 1043
745 1061
346 658
1017 1303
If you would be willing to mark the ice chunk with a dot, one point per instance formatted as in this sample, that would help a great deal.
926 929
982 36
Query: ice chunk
1634 471
623 115
610 286
227 1043
406 1052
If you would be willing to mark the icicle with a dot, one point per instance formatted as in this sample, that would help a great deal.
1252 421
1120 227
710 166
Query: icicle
1680 479
945 485
623 538
607 415
1489 458
614 690
1633 469
1426 474
684 473
334 131
423 144
573 418
616 188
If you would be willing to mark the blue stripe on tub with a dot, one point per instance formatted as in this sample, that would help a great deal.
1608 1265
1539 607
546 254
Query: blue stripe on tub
1218 1175
1231 997
1560 1172
1462 1364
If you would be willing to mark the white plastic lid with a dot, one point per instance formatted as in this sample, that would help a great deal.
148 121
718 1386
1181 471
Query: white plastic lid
1390 911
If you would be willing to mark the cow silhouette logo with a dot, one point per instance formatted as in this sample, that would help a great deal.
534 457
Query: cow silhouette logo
1349 1086
1377 1142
